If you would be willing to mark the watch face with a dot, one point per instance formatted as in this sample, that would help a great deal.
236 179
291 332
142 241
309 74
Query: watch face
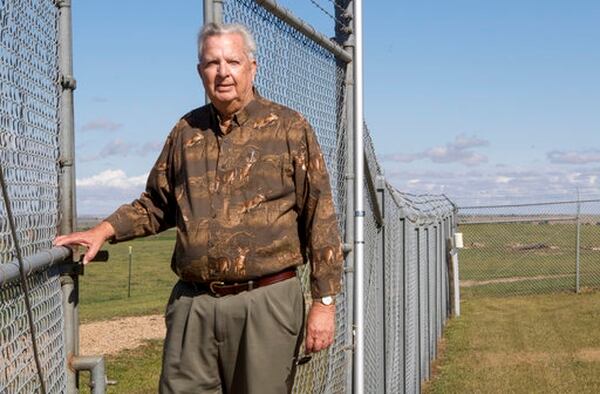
327 300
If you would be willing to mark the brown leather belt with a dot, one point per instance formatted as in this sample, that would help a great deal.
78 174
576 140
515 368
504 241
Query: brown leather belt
218 288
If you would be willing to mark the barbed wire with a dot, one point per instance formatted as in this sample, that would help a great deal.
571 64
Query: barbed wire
339 7
330 15
528 204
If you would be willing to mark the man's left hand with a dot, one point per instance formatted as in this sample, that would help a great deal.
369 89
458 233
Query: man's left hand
320 327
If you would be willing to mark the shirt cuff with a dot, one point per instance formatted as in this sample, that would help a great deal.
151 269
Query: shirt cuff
123 226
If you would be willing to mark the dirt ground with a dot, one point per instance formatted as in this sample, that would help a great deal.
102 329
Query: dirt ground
113 336
471 283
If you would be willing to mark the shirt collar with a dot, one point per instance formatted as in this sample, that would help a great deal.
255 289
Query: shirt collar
248 112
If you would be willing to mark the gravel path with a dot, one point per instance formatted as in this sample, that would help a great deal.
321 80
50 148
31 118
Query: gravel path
113 336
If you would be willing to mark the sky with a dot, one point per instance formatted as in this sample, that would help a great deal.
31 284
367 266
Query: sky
486 102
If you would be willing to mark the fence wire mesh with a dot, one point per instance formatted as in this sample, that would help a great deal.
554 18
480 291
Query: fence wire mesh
297 72
406 283
406 289
18 373
29 100
530 248
406 303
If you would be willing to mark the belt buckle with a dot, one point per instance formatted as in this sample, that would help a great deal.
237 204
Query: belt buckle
211 286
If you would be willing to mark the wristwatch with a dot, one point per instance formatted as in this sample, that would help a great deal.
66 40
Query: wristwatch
327 300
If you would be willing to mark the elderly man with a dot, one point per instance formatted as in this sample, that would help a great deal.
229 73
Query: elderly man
244 182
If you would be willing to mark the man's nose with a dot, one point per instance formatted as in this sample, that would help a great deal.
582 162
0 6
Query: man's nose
223 69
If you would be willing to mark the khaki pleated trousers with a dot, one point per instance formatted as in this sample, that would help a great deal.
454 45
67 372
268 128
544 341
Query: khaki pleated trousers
238 344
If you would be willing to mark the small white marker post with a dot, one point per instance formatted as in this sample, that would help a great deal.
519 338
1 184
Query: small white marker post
129 280
458 244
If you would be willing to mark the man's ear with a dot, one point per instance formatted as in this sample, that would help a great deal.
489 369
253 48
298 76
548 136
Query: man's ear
199 69
254 68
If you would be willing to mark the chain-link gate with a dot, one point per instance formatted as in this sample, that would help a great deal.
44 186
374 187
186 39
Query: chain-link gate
530 248
29 103
283 54
406 275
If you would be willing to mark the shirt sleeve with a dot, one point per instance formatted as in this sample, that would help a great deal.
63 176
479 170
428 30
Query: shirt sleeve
153 211
317 221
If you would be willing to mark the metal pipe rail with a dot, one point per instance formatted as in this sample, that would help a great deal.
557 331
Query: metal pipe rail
94 364
529 204
9 272
464 221
305 29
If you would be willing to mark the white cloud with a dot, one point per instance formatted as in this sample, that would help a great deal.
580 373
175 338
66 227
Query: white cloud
463 141
116 147
574 157
101 124
503 179
401 157
113 179
508 184
102 193
458 151
121 148
573 177
152 147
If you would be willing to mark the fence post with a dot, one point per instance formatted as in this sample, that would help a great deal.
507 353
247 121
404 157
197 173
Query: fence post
383 292
67 205
218 11
359 211
577 244
208 11
345 38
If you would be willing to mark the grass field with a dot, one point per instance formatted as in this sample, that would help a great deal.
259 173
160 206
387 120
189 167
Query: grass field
103 287
526 344
103 296
134 371
536 258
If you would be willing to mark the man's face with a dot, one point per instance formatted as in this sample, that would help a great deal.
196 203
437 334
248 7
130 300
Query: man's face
226 71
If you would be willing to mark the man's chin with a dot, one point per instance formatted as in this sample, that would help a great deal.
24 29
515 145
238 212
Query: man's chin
223 102
225 96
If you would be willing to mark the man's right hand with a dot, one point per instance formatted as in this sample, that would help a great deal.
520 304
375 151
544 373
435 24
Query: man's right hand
92 239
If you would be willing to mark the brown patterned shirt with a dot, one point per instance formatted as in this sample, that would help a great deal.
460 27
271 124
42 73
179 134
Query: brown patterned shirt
247 203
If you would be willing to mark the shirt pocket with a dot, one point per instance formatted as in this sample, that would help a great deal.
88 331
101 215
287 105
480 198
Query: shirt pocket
271 175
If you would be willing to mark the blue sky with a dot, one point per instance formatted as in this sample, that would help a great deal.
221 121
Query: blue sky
484 101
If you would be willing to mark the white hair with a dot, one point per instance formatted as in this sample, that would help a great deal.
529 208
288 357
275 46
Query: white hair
217 29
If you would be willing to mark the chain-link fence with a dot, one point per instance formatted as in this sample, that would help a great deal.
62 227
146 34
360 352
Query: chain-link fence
297 72
29 102
406 281
406 275
530 248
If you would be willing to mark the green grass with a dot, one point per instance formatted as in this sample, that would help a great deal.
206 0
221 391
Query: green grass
536 343
103 287
135 371
499 251
532 344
